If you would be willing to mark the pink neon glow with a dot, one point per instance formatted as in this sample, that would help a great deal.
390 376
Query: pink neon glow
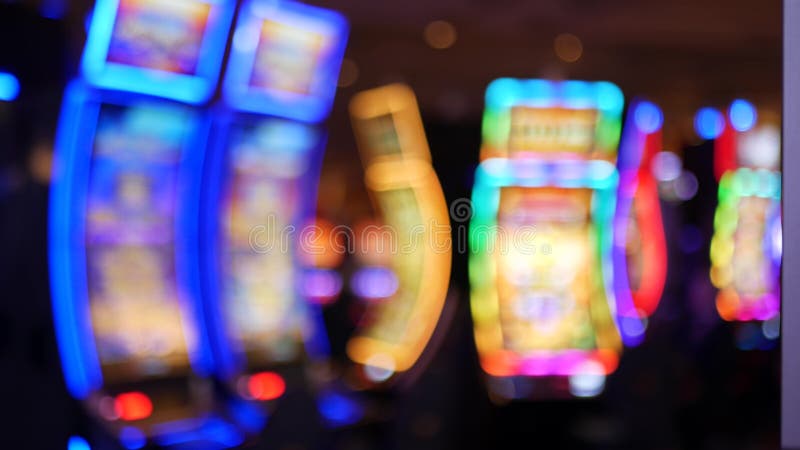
551 363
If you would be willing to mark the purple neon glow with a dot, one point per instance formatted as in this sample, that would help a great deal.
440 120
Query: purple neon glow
374 283
321 285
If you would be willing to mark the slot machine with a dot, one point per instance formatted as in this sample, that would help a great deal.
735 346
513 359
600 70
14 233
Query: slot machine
123 226
640 249
746 247
389 345
546 318
260 197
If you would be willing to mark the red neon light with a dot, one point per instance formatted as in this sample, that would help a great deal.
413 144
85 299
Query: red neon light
725 151
653 245
266 386
133 406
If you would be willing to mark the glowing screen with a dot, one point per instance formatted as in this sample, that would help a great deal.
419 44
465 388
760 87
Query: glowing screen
159 35
130 240
262 204
545 298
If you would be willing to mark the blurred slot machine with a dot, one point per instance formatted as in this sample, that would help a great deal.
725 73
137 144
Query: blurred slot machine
547 320
640 249
746 247
261 194
405 292
123 225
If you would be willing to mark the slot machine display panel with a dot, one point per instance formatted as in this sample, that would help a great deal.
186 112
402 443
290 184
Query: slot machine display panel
394 332
125 285
285 59
746 248
167 49
553 120
262 177
540 238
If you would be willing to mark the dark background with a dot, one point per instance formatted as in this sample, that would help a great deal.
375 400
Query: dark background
686 387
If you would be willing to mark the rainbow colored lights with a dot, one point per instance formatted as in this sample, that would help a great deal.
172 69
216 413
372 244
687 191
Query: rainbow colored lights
746 247
640 250
560 273
599 349
591 110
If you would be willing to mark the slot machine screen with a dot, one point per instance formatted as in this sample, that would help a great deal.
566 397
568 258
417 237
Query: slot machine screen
546 264
134 295
159 35
388 321
262 203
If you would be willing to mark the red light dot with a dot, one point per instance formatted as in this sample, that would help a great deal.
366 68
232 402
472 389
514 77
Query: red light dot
133 406
266 386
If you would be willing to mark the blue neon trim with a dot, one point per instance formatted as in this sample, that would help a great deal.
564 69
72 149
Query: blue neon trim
207 433
503 93
9 87
228 352
312 107
193 89
187 240
67 257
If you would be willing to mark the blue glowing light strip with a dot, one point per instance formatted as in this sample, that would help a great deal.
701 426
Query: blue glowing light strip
311 107
194 89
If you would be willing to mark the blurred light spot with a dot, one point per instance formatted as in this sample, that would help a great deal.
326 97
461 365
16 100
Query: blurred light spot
266 386
648 117
40 163
568 47
78 443
691 239
132 438
590 382
339 409
379 367
108 408
440 34
322 286
52 9
374 283
133 406
772 328
666 166
9 87
686 186
761 147
633 327
348 75
708 123
742 115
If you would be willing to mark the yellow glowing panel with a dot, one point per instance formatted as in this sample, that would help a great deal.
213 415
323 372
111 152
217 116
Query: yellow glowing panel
388 126
396 331
551 130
